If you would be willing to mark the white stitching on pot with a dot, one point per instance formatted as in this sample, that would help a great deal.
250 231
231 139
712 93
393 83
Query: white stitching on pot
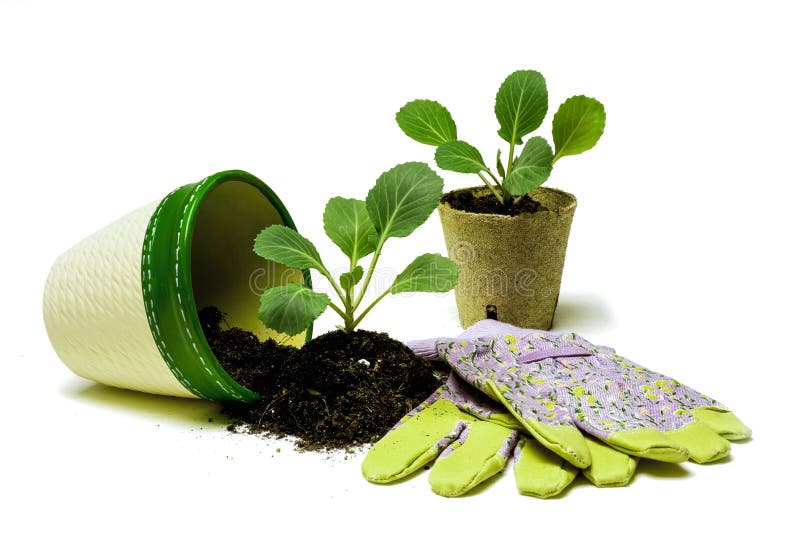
151 314
177 283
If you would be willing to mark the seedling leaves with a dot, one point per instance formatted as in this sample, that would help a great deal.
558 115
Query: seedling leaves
347 223
459 156
291 308
430 272
531 168
426 121
520 105
577 125
288 247
403 198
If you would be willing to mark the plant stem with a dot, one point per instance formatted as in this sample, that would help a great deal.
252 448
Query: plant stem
338 311
506 195
510 164
351 289
369 308
370 270
347 313
495 179
491 188
339 292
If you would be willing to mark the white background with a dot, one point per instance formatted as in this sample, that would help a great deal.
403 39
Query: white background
682 255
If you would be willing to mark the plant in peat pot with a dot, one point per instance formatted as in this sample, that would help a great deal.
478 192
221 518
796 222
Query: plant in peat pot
510 235
348 386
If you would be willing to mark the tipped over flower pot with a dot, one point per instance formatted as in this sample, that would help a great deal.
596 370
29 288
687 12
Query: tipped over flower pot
121 306
510 236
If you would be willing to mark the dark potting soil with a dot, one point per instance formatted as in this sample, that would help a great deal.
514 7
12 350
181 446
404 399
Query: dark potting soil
339 390
467 201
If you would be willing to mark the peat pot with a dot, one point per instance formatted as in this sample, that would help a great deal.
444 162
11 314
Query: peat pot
510 265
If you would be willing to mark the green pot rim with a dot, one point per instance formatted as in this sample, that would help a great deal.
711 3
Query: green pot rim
167 288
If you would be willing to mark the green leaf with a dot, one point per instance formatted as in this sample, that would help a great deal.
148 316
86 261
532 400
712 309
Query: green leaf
291 308
459 156
347 223
520 105
288 247
426 121
500 169
577 125
531 168
348 280
403 198
429 272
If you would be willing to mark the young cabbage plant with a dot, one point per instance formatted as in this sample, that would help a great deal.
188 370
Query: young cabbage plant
401 200
520 107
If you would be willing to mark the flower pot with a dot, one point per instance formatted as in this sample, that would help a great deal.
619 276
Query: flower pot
510 265
121 306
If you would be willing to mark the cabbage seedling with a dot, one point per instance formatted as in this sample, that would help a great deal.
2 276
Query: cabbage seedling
401 200
520 107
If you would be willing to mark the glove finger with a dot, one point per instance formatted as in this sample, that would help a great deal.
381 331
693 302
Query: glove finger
481 451
694 440
414 443
646 443
564 438
540 472
610 467
723 422
425 348
703 443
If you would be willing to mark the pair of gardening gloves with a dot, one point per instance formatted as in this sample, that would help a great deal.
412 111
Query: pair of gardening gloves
555 403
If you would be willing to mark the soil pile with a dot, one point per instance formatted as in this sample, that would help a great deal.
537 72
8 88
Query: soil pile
339 390
467 201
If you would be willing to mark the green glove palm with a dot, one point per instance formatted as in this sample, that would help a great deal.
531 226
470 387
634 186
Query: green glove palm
469 438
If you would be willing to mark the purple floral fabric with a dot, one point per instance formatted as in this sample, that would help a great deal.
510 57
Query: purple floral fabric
466 398
593 387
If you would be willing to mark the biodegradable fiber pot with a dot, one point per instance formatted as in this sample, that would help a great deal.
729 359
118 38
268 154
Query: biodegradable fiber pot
121 306
510 265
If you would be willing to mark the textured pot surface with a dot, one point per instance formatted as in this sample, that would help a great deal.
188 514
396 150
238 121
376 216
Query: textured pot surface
121 306
511 266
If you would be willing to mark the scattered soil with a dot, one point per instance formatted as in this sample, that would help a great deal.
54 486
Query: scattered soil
468 201
338 391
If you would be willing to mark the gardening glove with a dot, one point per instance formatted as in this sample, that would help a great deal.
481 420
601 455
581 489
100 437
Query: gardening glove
559 385
469 438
